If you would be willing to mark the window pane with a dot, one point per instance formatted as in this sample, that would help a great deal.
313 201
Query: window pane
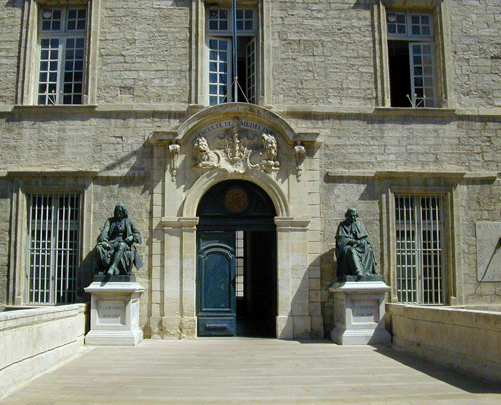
218 20
396 23
421 25
245 20
50 19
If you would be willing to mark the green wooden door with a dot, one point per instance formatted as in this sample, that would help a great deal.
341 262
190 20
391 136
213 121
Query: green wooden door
216 304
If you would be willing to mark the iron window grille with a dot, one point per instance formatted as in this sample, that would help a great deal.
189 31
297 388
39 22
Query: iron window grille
419 249
54 231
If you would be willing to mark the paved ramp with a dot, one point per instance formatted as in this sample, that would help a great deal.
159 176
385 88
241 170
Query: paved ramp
251 371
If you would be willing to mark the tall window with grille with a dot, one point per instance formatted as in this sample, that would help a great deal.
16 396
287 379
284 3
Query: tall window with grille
62 48
220 32
54 230
411 54
419 227
240 257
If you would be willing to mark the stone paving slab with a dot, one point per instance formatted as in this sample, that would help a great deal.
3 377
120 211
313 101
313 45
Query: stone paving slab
251 371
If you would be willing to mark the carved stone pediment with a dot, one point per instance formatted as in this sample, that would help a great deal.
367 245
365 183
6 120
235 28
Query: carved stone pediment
236 147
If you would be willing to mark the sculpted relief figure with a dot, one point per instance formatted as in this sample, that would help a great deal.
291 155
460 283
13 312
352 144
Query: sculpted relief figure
236 153
270 161
203 156
355 255
115 244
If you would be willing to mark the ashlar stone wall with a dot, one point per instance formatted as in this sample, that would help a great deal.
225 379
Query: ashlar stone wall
325 80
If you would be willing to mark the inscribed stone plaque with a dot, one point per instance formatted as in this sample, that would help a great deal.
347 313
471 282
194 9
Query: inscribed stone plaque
365 311
488 251
111 312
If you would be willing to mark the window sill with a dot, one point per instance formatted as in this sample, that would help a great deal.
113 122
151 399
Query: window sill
415 111
59 108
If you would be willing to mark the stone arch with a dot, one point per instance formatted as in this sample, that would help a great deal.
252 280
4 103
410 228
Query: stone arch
210 179
243 111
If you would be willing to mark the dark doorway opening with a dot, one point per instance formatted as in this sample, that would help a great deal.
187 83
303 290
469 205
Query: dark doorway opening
256 299
400 76
236 262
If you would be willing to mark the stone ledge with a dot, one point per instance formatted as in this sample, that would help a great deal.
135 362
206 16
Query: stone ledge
293 110
38 339
31 316
413 174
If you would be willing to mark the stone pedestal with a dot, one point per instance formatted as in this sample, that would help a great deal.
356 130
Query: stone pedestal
114 313
359 313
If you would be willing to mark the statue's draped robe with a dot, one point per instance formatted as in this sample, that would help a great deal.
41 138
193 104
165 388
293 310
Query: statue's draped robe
114 232
347 236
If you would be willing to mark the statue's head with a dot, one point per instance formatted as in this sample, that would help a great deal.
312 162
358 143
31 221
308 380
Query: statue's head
121 211
351 215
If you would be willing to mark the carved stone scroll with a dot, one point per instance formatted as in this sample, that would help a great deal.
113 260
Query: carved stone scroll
299 155
174 150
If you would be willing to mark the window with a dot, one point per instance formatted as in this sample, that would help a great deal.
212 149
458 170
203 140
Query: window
227 82
54 229
61 55
412 65
419 243
240 257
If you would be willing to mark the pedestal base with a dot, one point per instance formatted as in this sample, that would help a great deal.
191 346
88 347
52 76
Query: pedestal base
114 314
359 313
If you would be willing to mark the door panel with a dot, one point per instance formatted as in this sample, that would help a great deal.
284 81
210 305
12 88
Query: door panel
216 283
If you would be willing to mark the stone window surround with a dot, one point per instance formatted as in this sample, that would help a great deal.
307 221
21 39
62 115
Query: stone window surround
439 10
198 79
26 94
26 183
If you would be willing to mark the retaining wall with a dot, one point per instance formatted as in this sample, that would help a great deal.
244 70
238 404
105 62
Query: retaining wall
469 340
35 340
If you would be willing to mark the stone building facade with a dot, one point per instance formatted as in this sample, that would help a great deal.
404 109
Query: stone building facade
392 107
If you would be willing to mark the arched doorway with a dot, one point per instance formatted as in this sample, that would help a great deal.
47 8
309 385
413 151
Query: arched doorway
236 261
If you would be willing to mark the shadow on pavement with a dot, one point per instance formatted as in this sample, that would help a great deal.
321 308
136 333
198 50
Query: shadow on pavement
448 375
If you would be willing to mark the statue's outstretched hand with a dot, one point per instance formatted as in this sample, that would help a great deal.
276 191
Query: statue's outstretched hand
105 245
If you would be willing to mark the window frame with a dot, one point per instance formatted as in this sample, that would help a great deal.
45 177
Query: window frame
199 87
226 35
27 91
411 252
25 184
451 261
412 42
63 36
441 42
43 243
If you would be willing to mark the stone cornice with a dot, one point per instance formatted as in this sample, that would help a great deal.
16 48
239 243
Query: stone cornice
292 222
179 222
49 173
281 110
413 174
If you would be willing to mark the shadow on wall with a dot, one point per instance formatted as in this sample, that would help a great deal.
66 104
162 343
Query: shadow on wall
88 268
328 272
